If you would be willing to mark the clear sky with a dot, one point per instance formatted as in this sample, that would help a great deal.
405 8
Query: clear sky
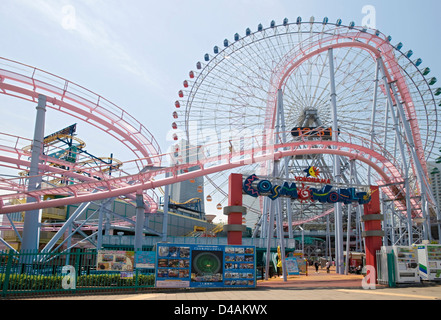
136 53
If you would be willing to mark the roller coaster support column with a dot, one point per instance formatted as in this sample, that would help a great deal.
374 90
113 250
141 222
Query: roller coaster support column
32 219
337 174
373 232
282 134
234 211
140 219
165 209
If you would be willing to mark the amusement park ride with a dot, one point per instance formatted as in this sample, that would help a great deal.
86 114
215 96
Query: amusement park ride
363 112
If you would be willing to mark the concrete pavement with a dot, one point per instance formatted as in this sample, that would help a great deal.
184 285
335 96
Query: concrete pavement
315 286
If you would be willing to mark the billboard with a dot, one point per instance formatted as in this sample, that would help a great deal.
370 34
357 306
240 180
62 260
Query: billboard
109 260
214 266
292 266
145 259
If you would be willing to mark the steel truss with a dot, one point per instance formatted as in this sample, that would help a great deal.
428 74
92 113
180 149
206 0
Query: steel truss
348 78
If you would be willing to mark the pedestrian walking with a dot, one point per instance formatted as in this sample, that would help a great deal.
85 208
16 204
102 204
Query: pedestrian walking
279 267
328 266
316 265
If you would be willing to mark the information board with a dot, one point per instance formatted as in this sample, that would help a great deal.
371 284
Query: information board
112 260
217 266
145 259
292 266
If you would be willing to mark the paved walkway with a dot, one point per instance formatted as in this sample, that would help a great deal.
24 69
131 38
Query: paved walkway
314 280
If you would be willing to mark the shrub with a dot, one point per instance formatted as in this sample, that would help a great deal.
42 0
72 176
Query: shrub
32 282
36 282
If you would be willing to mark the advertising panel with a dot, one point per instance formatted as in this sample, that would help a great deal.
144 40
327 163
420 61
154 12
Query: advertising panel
292 266
216 266
429 261
145 259
115 260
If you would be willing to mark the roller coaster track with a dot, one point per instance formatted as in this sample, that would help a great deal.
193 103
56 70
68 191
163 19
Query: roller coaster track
26 82
16 158
378 47
389 176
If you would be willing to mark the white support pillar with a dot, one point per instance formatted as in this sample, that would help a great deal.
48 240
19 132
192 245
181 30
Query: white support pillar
374 111
140 219
425 192
328 240
281 111
165 209
337 174
348 239
280 237
401 148
265 217
270 236
99 237
32 219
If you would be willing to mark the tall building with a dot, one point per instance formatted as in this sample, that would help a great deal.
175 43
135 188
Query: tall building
435 179
187 197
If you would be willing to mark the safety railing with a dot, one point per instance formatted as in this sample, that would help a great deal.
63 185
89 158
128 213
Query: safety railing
386 268
79 272
129 241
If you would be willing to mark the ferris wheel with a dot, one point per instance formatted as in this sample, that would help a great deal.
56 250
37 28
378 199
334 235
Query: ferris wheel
234 93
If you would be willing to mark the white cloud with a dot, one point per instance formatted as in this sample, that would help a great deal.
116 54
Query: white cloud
92 23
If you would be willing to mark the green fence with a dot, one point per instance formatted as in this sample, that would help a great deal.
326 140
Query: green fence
76 272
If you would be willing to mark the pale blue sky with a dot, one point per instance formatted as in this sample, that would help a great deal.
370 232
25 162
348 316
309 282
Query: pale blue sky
137 53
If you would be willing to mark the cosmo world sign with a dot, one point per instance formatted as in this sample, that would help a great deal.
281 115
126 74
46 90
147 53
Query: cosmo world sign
255 187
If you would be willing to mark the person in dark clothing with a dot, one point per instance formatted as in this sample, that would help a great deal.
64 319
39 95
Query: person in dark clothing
316 265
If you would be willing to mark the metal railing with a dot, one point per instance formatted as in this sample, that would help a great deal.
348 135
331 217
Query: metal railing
36 273
152 241
386 268
78 272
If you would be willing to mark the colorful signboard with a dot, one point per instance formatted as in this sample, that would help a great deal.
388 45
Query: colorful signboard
291 266
312 131
324 195
108 260
66 131
216 266
145 259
